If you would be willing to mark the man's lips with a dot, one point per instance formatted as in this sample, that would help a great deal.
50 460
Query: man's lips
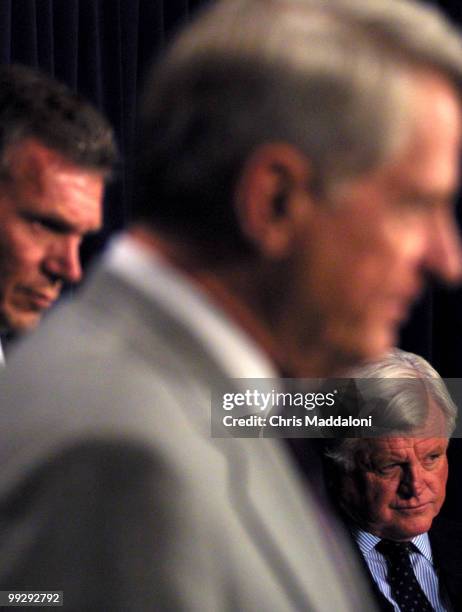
413 509
41 299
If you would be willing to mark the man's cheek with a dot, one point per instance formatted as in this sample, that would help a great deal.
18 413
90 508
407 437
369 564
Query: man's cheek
378 502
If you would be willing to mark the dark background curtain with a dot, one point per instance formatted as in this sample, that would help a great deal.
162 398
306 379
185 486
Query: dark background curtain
102 48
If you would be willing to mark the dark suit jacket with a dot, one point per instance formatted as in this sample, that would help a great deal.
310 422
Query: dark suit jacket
446 542
445 534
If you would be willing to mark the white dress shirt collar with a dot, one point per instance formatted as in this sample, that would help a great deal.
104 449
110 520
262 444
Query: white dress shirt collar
367 541
237 353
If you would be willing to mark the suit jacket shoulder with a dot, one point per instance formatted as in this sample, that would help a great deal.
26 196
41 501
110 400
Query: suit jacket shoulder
112 483
446 540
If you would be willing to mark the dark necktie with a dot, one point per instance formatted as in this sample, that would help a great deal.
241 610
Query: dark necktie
405 589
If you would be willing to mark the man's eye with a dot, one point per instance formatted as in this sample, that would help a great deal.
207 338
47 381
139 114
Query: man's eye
388 468
415 203
48 225
433 457
38 224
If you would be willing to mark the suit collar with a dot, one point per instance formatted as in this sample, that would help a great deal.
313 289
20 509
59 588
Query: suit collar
446 546
166 342
367 541
237 353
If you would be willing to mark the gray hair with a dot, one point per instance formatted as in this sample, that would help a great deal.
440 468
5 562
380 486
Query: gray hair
395 391
330 77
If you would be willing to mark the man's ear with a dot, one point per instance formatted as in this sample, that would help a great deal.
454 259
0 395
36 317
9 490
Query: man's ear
272 198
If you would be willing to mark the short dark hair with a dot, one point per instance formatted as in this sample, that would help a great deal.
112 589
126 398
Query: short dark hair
35 105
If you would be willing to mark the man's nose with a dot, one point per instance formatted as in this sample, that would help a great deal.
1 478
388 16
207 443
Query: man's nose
412 481
444 248
63 260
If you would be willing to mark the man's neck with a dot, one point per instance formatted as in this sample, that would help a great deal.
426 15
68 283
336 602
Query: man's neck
239 290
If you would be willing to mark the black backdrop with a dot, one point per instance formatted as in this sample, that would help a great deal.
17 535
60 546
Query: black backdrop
102 48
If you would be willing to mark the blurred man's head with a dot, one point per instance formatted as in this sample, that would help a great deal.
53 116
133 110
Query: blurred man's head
394 485
55 153
314 147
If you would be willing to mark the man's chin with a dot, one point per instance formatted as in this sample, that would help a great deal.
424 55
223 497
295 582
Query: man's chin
407 531
343 347
20 322
366 345
382 339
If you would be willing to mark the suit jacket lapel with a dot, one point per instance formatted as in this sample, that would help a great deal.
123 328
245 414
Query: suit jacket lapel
145 323
382 602
254 464
446 541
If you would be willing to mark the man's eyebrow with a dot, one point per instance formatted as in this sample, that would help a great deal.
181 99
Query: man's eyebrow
436 446
389 459
431 197
57 223
392 455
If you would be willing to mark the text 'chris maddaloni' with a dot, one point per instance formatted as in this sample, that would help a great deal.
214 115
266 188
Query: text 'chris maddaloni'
248 412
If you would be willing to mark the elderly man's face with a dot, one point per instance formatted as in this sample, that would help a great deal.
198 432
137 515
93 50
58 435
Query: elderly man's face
367 252
399 484
46 207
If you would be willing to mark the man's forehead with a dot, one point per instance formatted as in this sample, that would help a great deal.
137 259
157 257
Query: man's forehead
27 158
396 445
30 160
45 182
433 101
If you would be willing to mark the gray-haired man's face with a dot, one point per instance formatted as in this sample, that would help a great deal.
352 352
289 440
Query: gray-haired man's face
399 483
366 253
